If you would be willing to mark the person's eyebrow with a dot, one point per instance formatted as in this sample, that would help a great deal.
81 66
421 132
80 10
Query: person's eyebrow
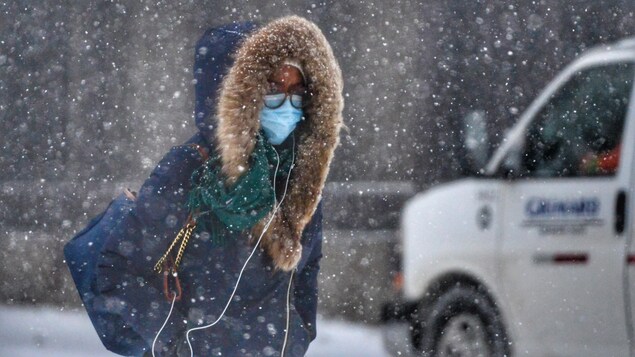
298 86
275 85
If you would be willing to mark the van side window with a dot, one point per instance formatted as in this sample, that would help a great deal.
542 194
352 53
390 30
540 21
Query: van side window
579 131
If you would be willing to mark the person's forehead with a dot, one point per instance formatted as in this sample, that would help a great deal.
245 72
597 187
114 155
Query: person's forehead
287 73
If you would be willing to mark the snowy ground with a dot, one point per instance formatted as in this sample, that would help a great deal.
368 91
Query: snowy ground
31 332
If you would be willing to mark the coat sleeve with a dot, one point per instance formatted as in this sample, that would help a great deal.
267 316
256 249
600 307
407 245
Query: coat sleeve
306 286
126 281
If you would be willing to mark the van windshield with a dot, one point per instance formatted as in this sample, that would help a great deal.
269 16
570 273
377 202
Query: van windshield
578 133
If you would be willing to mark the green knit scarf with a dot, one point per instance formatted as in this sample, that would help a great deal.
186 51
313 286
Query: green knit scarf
223 211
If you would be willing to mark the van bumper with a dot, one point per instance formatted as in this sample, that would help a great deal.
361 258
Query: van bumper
396 320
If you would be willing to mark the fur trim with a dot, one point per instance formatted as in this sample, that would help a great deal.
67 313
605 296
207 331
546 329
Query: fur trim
238 111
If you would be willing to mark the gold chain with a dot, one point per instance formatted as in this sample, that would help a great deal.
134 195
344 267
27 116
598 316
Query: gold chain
186 237
184 233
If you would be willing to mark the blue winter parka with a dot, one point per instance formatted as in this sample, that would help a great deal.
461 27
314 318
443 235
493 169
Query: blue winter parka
231 63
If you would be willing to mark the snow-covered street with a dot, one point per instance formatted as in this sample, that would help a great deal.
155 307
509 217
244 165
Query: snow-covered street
36 332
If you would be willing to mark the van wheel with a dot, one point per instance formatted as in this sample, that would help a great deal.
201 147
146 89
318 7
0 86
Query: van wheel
463 322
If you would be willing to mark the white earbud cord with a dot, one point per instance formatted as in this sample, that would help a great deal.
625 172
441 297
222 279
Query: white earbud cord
165 323
286 331
276 207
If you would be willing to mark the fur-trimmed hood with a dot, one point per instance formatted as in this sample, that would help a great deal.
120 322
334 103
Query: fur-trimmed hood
238 124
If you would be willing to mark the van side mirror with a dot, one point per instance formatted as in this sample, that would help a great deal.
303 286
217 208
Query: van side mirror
476 141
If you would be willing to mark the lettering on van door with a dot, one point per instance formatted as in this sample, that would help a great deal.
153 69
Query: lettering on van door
553 216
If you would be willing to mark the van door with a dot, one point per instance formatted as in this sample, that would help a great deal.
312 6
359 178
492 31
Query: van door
561 252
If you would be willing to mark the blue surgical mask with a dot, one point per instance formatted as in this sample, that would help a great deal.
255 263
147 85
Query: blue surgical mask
280 122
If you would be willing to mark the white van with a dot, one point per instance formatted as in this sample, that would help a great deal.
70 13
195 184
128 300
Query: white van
536 257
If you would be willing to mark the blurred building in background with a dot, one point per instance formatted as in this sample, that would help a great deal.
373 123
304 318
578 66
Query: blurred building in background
93 93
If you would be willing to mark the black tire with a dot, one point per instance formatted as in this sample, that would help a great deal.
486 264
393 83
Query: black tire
467 310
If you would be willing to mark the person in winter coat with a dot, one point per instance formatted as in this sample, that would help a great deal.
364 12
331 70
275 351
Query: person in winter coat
243 194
